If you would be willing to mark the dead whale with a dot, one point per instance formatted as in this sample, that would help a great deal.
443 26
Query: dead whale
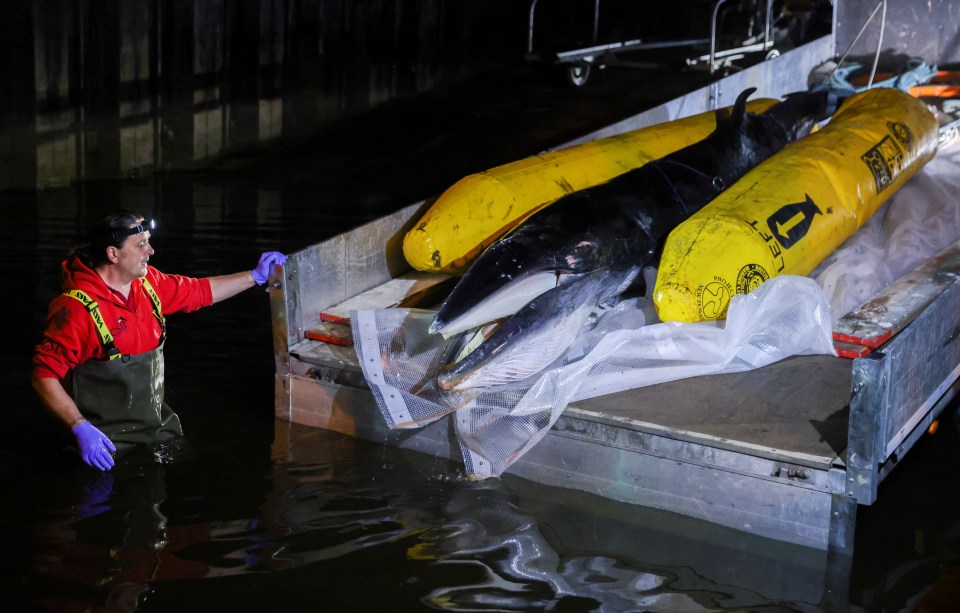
587 247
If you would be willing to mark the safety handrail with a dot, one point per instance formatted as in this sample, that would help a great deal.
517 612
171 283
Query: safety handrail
533 6
713 31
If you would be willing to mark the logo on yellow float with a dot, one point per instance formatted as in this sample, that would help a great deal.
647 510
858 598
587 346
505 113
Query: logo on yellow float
714 298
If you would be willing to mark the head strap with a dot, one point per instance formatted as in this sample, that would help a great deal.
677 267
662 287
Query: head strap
117 235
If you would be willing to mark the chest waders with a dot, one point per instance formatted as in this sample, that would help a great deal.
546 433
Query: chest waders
122 395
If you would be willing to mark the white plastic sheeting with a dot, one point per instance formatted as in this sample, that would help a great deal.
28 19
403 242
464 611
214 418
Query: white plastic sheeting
495 426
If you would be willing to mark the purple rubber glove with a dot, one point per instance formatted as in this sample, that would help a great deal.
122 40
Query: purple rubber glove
265 266
95 447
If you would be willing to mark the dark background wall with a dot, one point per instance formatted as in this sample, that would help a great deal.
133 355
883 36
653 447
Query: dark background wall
97 89
116 88
119 88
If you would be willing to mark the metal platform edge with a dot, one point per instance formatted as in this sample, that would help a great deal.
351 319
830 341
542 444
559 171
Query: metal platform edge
722 487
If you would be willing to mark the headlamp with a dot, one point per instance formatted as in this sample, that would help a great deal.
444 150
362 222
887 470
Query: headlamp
117 235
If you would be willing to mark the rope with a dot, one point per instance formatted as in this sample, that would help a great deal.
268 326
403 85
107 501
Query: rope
717 182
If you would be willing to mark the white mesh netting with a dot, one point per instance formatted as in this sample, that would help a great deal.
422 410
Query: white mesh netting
625 346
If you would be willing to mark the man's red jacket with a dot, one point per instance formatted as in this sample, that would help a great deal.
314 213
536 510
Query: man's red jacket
71 337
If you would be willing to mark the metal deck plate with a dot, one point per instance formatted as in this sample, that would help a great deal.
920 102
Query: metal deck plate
796 409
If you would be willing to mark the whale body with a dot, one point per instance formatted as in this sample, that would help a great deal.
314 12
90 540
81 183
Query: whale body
543 279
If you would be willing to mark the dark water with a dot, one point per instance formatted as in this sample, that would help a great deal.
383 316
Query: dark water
251 514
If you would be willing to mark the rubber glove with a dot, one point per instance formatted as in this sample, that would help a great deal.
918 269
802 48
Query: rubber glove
265 266
95 447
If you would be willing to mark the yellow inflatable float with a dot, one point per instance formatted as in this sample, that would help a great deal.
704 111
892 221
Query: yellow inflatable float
791 211
478 209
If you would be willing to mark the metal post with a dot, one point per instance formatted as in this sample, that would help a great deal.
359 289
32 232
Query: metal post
865 434
713 35
596 19
768 25
533 6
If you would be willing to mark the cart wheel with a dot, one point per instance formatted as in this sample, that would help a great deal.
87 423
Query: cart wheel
772 54
577 74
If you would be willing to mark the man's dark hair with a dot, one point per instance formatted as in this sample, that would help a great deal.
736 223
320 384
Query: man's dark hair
93 253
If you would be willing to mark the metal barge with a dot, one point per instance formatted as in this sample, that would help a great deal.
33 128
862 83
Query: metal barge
786 452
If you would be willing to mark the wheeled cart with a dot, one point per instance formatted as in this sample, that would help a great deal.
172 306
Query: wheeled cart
579 63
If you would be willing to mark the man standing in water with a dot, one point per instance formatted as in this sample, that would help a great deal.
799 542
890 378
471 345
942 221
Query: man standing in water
105 332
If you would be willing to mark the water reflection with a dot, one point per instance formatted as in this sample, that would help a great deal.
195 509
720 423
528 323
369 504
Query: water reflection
521 571
348 524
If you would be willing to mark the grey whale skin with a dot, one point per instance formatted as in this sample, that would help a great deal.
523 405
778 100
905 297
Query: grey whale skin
588 246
